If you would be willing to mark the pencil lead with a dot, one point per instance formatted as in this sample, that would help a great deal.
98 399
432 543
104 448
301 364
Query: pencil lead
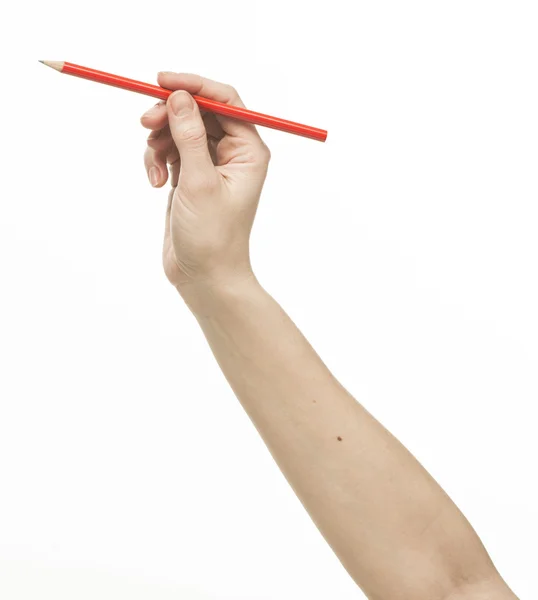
42 62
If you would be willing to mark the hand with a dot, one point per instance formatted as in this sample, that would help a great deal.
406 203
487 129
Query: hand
217 169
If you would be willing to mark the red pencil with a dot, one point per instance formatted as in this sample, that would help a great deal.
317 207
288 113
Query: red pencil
220 108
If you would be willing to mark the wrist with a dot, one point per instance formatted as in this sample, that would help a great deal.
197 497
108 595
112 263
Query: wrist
206 297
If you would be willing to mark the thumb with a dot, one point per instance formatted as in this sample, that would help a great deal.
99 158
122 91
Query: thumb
189 134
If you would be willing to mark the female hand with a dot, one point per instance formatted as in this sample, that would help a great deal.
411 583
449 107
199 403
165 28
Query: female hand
217 169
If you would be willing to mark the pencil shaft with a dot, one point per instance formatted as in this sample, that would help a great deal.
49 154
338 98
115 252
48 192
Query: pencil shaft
220 108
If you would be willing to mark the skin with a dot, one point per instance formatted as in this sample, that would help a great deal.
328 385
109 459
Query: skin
394 529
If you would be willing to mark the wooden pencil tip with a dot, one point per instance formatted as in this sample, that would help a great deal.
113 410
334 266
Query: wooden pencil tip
54 64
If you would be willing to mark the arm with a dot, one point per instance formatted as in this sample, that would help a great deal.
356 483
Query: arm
393 528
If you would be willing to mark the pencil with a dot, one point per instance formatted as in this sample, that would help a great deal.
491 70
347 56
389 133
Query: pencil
219 108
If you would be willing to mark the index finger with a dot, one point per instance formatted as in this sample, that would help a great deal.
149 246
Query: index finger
221 92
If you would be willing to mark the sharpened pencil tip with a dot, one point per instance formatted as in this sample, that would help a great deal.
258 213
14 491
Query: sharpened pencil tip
54 64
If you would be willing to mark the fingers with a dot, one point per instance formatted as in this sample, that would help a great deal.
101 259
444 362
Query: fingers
161 141
161 150
194 135
155 167
156 117
212 126
189 134
197 85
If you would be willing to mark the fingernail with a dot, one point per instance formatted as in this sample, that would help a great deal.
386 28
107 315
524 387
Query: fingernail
181 103
165 73
154 176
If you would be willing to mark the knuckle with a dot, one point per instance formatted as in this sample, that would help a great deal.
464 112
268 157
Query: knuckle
193 134
265 153
232 93
155 143
259 155
155 134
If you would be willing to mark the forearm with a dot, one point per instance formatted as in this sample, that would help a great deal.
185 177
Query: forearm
390 524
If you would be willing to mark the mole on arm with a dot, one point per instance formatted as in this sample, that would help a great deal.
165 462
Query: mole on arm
339 438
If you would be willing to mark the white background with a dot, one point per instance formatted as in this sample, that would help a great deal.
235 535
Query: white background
405 248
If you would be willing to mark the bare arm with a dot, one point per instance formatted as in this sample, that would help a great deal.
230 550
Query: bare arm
394 529
391 525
